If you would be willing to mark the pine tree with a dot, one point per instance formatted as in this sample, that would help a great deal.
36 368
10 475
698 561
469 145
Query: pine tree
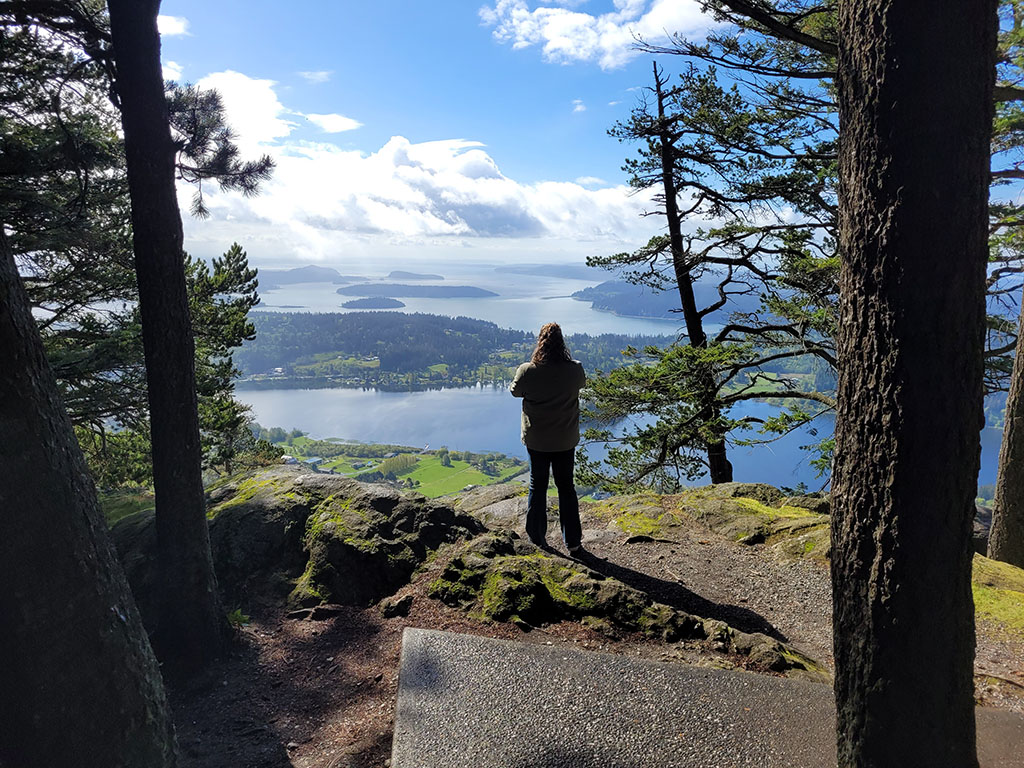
72 641
192 626
916 115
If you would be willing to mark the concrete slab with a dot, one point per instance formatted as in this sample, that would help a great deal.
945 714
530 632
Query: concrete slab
472 702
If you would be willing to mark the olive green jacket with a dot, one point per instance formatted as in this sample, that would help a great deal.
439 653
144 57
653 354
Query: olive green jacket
551 405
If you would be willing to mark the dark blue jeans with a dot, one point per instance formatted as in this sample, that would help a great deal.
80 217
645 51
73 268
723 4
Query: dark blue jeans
560 464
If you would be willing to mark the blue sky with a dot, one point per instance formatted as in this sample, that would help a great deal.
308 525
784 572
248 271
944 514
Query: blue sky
424 131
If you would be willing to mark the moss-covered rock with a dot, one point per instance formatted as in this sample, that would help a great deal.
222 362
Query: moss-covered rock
793 531
498 577
999 594
282 531
363 544
817 503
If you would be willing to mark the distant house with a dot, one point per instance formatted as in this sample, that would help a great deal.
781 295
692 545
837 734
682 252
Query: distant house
390 455
313 462
358 464
286 459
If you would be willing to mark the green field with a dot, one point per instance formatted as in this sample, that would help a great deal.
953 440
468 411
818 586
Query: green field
427 476
436 480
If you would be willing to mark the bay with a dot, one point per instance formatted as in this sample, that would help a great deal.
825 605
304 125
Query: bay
524 302
485 418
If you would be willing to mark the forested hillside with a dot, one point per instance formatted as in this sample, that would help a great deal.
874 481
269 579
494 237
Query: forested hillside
400 349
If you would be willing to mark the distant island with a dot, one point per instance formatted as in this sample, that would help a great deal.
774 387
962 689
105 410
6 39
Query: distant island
629 300
416 291
400 275
275 278
374 302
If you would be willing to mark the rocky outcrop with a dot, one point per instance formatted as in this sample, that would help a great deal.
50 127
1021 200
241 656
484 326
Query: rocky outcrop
284 533
499 577
752 514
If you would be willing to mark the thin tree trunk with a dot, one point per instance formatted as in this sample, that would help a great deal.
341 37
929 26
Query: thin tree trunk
915 98
78 682
1006 538
192 626
719 466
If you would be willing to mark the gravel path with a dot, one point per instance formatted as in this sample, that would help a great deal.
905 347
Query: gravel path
702 573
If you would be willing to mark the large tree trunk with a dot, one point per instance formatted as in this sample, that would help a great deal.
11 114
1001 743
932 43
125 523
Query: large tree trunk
719 466
1006 538
192 627
78 682
915 99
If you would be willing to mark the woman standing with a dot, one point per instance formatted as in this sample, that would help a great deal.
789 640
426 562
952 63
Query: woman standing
550 385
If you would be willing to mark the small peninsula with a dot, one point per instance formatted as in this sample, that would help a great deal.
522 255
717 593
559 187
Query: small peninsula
416 291
374 302
275 278
400 275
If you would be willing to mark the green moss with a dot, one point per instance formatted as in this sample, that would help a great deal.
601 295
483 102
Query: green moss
774 513
796 660
508 593
1003 605
306 587
638 523
999 593
639 514
992 573
564 587
808 546
248 488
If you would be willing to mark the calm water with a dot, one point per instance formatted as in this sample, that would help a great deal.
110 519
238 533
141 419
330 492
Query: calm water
524 302
486 418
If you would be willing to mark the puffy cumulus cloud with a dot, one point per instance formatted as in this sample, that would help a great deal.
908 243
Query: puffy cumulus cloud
323 197
170 26
254 112
317 76
333 123
565 35
172 70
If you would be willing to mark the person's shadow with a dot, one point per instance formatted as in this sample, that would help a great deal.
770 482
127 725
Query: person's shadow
677 596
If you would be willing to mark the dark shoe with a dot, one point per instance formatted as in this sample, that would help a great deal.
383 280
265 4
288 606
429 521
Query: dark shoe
577 550
542 543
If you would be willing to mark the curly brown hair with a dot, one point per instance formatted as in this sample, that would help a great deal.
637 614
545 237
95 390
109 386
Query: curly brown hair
550 345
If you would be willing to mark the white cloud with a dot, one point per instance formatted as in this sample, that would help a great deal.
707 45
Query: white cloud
254 112
614 103
324 199
566 35
172 25
317 76
578 105
590 181
333 123
172 70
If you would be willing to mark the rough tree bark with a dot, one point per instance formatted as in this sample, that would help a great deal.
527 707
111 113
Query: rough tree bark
78 683
719 466
192 627
1006 538
915 98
